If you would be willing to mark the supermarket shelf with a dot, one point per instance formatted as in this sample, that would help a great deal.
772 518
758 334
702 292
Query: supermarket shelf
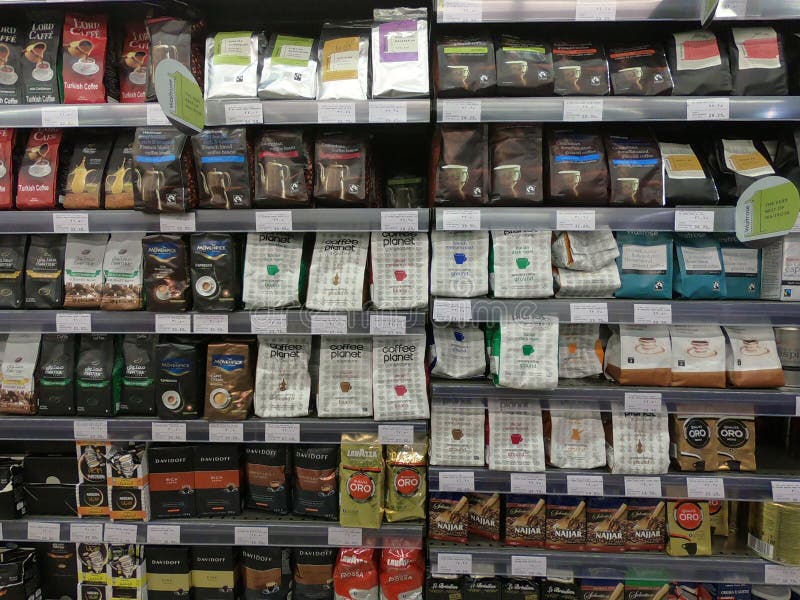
599 395
291 322
749 487
615 108
83 115
305 430
279 531
758 9
487 559
310 219
510 11
617 218
575 310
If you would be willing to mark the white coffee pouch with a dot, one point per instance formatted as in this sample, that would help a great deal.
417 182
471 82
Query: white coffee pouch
345 377
457 434
289 69
752 358
516 436
399 386
519 264
742 157
232 64
338 265
698 356
457 351
576 439
283 383
83 270
640 443
18 392
524 354
780 269
122 272
344 61
639 355
273 267
580 351
399 52
459 263
587 284
399 275
585 250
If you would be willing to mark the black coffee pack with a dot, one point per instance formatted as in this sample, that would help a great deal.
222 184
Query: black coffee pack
313 573
172 481
41 52
10 64
12 265
220 156
215 276
97 376
44 272
218 480
315 491
267 472
215 573
699 64
169 573
164 178
482 588
139 375
55 374
266 573
444 587
166 273
180 385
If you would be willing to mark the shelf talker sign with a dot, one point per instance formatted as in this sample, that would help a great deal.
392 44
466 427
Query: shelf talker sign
767 209
180 97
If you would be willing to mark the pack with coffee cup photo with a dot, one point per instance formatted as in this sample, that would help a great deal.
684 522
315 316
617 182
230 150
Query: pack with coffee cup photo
133 63
84 40
639 70
38 173
10 64
636 172
465 65
516 160
580 69
578 169
39 82
7 141
524 66
461 158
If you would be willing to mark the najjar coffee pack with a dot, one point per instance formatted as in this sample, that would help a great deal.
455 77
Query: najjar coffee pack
84 41
38 173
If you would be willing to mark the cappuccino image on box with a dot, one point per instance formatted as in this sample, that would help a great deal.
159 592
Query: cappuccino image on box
126 464
172 487
127 569
92 461
217 475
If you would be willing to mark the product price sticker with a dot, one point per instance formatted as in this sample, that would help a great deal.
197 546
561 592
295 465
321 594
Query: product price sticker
116 533
177 222
282 433
60 116
388 111
268 323
395 434
705 488
73 323
164 534
732 8
652 314
70 223
694 220
461 111
582 109
251 536
211 324
168 432
708 109
155 115
585 485
575 220
273 220
344 536
39 531
86 533
336 112
452 311
380 324
529 566
528 483
588 312
328 324
786 491
643 402
226 432
399 220
781 575
249 113
90 429
453 564
461 220
643 487
166 323
461 11
595 10
797 405
456 481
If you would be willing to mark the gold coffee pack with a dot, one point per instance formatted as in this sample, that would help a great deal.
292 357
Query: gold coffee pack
406 482
361 482
736 444
688 528
86 169
693 445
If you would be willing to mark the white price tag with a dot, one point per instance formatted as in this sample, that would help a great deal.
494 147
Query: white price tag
588 312
282 433
251 536
708 109
461 11
461 111
328 324
336 112
694 220
164 534
274 220
452 311
456 481
70 222
643 487
643 402
387 324
528 483
216 324
461 220
453 564
395 434
652 314
797 406
168 323
85 429
249 113
583 109
705 488
226 432
596 10
529 566
168 432
781 575
399 220
268 323
388 111
156 116
44 532
73 323
732 8
786 491
585 485
116 533
86 533
344 537
177 222
575 220
60 116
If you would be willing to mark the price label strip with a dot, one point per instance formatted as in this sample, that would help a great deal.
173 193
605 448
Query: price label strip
251 536
270 323
456 481
461 111
164 534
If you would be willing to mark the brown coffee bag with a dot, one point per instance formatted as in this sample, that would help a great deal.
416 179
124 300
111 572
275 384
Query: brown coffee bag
229 382
133 62
86 169
736 444
119 174
283 169
578 170
516 159
462 175
693 443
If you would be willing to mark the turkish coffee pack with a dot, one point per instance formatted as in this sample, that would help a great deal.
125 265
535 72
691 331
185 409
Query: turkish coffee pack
344 170
645 524
96 375
580 69
462 168
119 173
605 524
169 38
83 270
12 269
166 273
84 41
267 470
635 170
214 271
42 45
19 388
516 159
37 178
164 177
283 169
578 170
139 375
315 483
7 139
85 172
44 272
289 68
448 518
639 70
11 64
565 519
465 65
699 64
179 390
133 62
220 155
229 381
524 66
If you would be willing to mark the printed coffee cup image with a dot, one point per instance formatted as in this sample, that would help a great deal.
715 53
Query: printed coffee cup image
35 52
206 286
518 68
42 71
460 74
40 168
633 75
732 463
136 61
648 345
699 463
700 349
753 348
81 49
8 76
630 187
572 179
454 177
3 169
506 178
171 400
572 73
219 398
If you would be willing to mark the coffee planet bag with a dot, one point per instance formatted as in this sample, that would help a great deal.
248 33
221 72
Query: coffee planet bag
699 64
686 180
40 83
524 354
18 386
229 382
580 69
12 265
44 272
399 382
465 65
274 270
214 271
7 139
640 443
519 264
289 68
344 61
752 358
38 173
576 439
345 377
399 274
118 188
457 436
399 52
133 63
524 66
639 355
634 164
283 169
232 64
516 159
639 70
580 351
220 155
84 42
698 356
336 278
645 264
85 172
601 283
283 382
699 273
757 62
584 250
462 176
457 351
10 70
459 263
122 272
83 270
578 170
516 438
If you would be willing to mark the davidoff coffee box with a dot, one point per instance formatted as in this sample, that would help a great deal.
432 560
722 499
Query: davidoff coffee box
217 479
169 574
215 573
172 481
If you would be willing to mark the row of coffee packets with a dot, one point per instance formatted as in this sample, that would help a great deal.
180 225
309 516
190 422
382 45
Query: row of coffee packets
742 61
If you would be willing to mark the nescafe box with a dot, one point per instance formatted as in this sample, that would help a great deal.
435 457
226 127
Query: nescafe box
92 499
92 560
91 461
126 566
172 482
168 573
217 480
214 573
129 504
93 591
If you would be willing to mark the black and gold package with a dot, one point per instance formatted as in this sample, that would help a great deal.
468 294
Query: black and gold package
92 500
86 167
313 573
520 589
215 572
482 588
138 379
44 272
315 489
361 481
559 589
267 573
126 568
444 587
736 444
220 155
55 374
406 482
12 264
94 591
98 371
267 471
91 461
168 573
92 561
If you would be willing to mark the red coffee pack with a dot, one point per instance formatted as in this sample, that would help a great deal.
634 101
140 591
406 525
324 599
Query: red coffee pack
402 574
84 40
355 576
133 63
38 173
6 173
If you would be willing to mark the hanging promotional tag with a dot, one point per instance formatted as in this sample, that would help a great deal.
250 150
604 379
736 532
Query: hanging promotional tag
180 97
766 209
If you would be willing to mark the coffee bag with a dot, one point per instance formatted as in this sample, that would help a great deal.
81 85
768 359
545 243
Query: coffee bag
525 354
139 375
166 276
634 164
578 170
736 444
7 138
229 382
519 264
96 376
83 270
639 70
55 374
179 386
605 527
575 438
215 274
267 470
686 180
640 443
19 388
313 573
399 382
344 61
699 64
337 275
355 575
289 68
580 351
12 265
462 176
752 358
699 272
399 53
737 164
639 355
315 481
274 270
457 352
448 517
779 277
266 572
645 525
566 526
516 438
645 264
580 69
220 155
283 169
399 273
525 521
459 263
757 62
406 482
122 273
741 266
10 70
344 172
119 174
44 272
232 64
457 436
164 178
587 284
38 173
484 516
361 484
133 62
688 528
85 172
465 65
698 356
169 38
84 40
524 66
693 445
584 250
283 383
345 377
516 159
40 83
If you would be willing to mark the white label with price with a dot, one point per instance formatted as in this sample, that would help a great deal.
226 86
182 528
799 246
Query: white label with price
652 314
155 116
73 323
251 536
455 311
786 491
582 109
575 220
732 8
328 324
705 488
643 487
273 220
115 533
461 220
456 481
282 433
461 11
454 564
164 534
336 112
461 111
399 220
708 109
781 575
595 10
226 432
588 312
44 532
214 324
528 483
177 222
166 323
797 405
346 537
70 223
395 434
387 324
585 485
529 566
388 111
643 402
86 533
85 429
249 113
268 323
694 220
168 432
61 116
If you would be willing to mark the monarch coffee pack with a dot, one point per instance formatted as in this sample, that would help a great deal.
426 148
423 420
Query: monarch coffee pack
166 273
164 177
38 173
220 155
39 71
84 41
133 63
215 282
283 169
10 64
